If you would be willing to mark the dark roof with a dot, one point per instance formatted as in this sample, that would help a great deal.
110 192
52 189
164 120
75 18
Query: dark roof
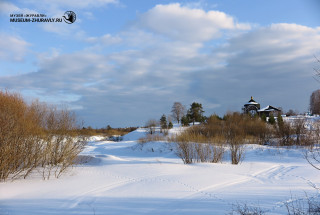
251 100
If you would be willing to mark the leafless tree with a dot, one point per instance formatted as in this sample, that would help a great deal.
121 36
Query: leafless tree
151 125
299 130
313 157
178 111
317 70
291 113
315 102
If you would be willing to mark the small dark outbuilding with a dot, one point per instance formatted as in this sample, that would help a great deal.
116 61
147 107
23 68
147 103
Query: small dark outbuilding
267 111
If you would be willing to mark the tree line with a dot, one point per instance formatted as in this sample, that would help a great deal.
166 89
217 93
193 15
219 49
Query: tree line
180 115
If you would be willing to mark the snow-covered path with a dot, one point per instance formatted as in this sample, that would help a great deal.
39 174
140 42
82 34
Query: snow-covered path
125 178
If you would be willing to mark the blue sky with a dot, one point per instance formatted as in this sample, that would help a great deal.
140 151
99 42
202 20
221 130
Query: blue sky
124 62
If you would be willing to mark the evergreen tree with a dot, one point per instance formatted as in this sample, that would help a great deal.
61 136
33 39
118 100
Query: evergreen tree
271 120
170 125
264 117
195 113
185 121
163 122
280 121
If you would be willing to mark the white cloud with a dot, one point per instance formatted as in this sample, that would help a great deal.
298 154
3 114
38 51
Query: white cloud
106 40
12 48
275 44
57 5
165 57
186 24
273 64
7 8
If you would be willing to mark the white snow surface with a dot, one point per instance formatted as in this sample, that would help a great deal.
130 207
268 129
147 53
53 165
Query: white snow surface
129 178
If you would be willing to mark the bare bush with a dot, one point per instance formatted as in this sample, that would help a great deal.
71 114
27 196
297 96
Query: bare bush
199 152
313 157
299 129
62 141
217 153
151 138
235 137
185 151
246 210
234 130
237 150
192 134
202 152
34 136
19 136
151 126
308 206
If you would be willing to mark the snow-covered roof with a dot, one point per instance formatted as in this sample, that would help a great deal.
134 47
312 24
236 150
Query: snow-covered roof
268 108
252 103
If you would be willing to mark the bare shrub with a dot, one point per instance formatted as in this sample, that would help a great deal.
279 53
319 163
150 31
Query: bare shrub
235 137
151 125
313 157
234 130
237 151
107 131
19 136
202 152
299 129
151 138
259 131
192 134
246 210
217 151
63 143
185 151
284 132
308 206
33 136
191 152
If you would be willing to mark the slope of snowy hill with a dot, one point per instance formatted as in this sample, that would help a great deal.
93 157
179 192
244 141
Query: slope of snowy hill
130 178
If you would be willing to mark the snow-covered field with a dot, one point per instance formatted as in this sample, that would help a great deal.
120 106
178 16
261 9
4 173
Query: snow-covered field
128 178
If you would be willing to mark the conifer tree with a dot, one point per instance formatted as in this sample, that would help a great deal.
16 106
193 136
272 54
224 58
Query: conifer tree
280 121
271 120
195 113
185 121
163 122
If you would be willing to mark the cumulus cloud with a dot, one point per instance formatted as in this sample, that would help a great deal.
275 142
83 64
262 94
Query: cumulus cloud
188 24
58 4
12 48
165 58
105 40
7 8
274 63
